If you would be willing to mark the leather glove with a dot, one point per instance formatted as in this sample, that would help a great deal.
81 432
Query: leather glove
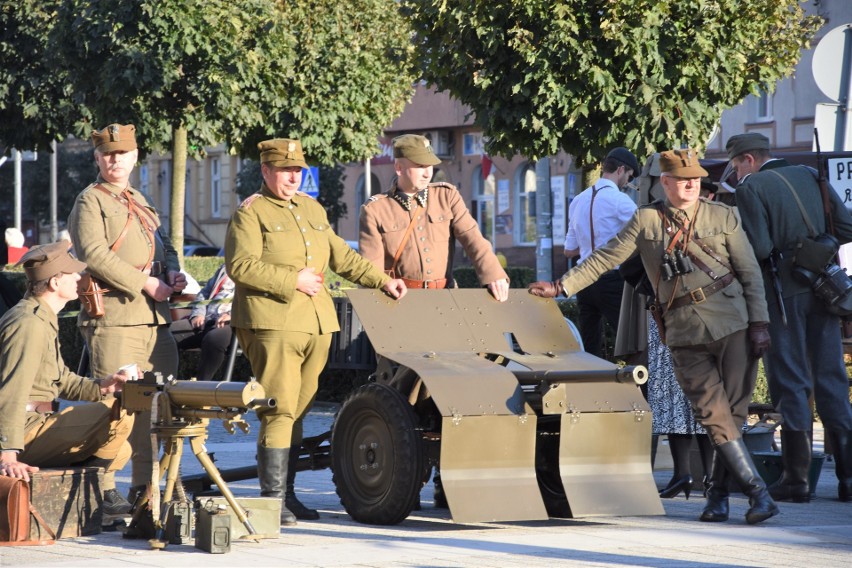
546 289
758 334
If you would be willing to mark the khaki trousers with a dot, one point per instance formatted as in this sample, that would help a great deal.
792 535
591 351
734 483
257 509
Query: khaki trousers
77 434
718 379
153 348
287 364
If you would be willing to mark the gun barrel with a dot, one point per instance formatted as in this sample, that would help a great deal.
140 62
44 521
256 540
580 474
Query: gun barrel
631 374
200 394
263 403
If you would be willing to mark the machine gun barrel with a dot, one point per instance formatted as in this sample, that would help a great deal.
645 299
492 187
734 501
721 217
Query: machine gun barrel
631 374
199 394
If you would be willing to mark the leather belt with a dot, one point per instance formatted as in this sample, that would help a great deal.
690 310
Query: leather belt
701 294
156 268
430 284
43 406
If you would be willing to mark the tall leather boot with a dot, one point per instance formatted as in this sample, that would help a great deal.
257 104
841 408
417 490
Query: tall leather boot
292 502
271 472
716 509
841 441
796 458
742 470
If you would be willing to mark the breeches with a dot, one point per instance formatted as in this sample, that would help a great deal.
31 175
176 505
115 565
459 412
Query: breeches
77 434
718 379
151 347
287 364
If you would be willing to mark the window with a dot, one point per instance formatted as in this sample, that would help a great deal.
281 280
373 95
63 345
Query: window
483 202
763 107
215 189
474 144
144 179
525 222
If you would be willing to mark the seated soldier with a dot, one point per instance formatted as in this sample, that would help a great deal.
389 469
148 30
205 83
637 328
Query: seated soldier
208 326
33 376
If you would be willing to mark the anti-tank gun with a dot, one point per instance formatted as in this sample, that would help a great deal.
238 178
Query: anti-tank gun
178 410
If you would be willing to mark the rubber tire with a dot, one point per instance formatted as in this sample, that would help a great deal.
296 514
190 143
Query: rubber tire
377 456
547 471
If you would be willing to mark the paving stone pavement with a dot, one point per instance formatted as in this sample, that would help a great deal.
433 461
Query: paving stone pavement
813 535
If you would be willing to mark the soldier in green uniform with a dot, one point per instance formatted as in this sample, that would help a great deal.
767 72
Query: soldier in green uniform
713 311
278 246
115 231
32 432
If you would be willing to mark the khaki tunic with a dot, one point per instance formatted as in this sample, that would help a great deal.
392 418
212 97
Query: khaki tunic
721 314
429 253
269 241
32 369
95 223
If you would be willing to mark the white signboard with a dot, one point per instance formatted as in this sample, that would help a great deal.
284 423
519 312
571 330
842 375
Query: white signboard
557 192
502 195
840 177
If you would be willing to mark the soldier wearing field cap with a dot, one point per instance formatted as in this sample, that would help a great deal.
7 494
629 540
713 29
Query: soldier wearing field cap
412 228
278 246
711 304
117 233
807 356
32 433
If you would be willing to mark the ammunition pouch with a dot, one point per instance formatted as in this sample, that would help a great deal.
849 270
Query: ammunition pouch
813 265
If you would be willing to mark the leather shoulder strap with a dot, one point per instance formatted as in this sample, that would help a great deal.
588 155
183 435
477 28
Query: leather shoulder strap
404 240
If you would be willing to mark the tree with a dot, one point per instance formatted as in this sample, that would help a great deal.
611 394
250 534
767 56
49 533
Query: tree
587 75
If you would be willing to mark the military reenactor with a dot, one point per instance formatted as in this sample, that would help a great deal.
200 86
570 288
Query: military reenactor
116 232
780 205
711 309
32 433
278 246
411 230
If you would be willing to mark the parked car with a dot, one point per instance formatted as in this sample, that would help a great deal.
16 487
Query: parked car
203 250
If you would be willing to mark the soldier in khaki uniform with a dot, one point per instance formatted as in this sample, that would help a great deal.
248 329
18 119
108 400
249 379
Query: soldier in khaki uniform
32 432
709 291
140 274
410 232
278 246
436 215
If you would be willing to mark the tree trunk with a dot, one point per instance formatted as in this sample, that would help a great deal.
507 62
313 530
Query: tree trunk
176 213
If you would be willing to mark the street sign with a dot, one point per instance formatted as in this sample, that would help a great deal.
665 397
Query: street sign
839 176
828 62
310 181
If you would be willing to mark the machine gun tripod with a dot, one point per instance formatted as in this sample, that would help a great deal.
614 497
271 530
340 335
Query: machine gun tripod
183 410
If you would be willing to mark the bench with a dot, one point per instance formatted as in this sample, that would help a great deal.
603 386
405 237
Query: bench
68 499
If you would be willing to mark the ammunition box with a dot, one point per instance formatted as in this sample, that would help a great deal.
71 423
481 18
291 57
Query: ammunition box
264 513
69 499
180 520
213 531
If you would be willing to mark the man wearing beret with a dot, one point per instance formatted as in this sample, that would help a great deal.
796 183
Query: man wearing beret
410 232
710 299
32 433
594 217
117 233
807 356
278 246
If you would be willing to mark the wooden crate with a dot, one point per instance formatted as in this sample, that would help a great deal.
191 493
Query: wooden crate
69 500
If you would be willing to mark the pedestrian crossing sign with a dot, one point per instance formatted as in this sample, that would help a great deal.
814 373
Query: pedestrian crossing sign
310 181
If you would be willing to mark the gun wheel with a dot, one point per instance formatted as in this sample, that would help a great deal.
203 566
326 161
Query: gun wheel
377 456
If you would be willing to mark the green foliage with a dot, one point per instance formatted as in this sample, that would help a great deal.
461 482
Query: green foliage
587 75
76 169
249 179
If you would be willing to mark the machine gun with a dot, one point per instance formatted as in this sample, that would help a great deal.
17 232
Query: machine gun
183 409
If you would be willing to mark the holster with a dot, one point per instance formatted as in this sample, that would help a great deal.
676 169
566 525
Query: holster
91 294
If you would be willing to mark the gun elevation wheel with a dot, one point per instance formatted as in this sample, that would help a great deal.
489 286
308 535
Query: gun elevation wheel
377 456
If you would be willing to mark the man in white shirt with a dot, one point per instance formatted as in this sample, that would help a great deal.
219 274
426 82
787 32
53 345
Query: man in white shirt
594 217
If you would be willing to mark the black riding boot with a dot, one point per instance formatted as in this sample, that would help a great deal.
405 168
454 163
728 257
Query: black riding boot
796 457
290 500
716 509
742 470
271 472
841 441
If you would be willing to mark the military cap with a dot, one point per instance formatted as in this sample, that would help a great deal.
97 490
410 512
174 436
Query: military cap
741 143
282 153
115 138
681 163
43 261
416 148
626 158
